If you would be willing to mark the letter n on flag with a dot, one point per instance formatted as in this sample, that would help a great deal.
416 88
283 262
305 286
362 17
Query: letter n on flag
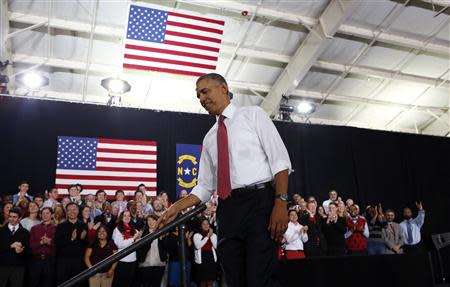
108 164
188 161
171 42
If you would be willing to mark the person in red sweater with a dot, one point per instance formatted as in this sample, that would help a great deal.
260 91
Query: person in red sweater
357 233
43 251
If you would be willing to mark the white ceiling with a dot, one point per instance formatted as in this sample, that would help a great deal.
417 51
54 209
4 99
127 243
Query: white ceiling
386 67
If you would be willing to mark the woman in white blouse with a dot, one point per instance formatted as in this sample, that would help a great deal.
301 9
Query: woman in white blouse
296 234
123 236
205 243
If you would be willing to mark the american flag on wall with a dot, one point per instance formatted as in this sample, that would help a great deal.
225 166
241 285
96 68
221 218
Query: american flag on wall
108 164
171 42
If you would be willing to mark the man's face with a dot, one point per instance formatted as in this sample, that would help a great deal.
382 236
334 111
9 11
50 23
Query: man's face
120 196
101 197
293 217
349 202
39 201
23 188
13 218
72 212
312 207
407 213
157 205
115 209
106 209
73 191
333 195
90 198
390 216
53 194
213 96
46 215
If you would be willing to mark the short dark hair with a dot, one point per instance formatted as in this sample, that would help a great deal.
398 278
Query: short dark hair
52 188
23 182
16 210
212 76
216 77
389 210
100 191
292 210
72 203
47 208
71 186
39 196
120 191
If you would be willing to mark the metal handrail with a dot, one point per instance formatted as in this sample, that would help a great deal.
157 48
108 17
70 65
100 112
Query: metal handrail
138 244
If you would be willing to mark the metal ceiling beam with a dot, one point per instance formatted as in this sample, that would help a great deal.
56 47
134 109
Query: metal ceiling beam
381 73
437 6
359 30
439 126
356 29
309 51
297 93
5 45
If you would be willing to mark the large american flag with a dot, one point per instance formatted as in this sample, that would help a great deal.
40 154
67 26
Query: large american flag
171 42
108 164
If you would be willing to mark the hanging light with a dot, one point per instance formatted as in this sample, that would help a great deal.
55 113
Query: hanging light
305 108
116 86
32 80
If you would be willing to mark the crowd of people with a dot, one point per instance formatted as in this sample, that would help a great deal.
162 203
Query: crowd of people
47 239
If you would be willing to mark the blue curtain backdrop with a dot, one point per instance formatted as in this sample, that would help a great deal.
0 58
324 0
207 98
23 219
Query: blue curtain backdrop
368 166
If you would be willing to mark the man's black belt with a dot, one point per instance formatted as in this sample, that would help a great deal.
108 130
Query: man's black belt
252 187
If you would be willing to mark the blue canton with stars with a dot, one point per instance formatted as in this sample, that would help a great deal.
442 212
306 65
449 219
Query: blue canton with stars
146 24
77 153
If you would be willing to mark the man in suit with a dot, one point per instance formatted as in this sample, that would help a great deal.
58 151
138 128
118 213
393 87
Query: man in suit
392 234
14 240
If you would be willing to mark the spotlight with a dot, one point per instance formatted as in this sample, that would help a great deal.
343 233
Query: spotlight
116 86
305 108
32 80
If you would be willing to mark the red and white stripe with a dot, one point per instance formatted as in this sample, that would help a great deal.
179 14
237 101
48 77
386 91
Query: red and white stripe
191 47
121 164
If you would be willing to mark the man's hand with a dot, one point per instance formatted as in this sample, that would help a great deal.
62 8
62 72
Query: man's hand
278 220
19 248
83 234
419 205
74 235
168 216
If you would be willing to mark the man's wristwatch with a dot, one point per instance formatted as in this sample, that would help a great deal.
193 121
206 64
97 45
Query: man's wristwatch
282 196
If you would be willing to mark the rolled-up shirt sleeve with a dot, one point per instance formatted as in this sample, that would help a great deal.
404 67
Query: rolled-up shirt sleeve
272 143
206 180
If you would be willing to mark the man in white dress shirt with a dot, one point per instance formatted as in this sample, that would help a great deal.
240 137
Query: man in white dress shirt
411 229
332 198
242 156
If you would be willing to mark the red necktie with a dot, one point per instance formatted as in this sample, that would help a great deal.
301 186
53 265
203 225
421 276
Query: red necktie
223 163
